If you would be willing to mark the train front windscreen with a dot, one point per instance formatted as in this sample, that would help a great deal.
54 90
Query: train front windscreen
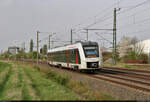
91 51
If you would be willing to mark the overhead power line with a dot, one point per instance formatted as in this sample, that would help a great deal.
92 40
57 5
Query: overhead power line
140 31
100 13
138 5
106 18
137 22
135 13
103 38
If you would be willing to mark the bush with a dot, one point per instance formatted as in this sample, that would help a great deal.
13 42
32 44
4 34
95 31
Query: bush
134 57
106 55
143 57
129 66
59 79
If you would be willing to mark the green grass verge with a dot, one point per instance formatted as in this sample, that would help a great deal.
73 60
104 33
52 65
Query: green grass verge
82 89
129 66
26 83
3 66
22 82
121 65
6 78
34 85
47 89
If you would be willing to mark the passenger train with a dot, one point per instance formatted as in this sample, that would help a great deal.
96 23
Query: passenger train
77 56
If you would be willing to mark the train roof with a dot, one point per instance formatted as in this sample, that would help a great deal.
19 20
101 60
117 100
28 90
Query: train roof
85 43
89 43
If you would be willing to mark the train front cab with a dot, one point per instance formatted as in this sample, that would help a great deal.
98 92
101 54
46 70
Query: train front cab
92 57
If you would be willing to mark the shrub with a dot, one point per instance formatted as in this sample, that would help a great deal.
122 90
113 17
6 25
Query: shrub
59 79
106 55
134 57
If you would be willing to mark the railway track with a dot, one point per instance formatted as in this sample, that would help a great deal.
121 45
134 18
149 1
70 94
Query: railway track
131 70
126 79
112 75
119 81
128 74
124 84
136 86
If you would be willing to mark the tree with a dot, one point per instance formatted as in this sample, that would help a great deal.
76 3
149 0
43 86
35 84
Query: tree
124 46
34 56
131 49
137 47
41 51
128 44
134 42
31 45
44 51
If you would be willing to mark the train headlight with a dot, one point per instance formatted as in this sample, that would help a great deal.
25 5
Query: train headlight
94 64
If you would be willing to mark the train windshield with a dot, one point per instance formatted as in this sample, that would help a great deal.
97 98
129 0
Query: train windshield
91 51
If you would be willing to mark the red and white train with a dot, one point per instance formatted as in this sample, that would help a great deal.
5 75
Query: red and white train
78 56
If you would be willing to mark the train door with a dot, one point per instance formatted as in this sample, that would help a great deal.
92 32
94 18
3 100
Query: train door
67 55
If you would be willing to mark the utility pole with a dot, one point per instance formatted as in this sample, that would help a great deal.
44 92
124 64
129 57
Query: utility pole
24 51
49 42
87 34
37 47
52 44
71 37
24 46
114 38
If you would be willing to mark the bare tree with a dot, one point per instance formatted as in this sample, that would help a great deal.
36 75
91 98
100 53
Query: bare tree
138 48
128 44
124 46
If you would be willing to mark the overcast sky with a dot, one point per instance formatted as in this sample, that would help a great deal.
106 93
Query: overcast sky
20 19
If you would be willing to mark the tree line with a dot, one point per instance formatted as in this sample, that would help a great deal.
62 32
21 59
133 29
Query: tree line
31 54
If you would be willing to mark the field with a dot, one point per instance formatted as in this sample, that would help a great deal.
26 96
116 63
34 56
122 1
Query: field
18 82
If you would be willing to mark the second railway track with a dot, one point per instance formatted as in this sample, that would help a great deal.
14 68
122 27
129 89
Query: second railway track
128 74
129 70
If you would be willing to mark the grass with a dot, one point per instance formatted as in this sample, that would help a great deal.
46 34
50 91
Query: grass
121 65
48 89
34 86
23 84
20 82
82 89
25 93
26 82
4 66
129 66
12 89
5 78
59 79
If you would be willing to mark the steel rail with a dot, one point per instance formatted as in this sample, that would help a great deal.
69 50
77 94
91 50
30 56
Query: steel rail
126 79
125 69
133 75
